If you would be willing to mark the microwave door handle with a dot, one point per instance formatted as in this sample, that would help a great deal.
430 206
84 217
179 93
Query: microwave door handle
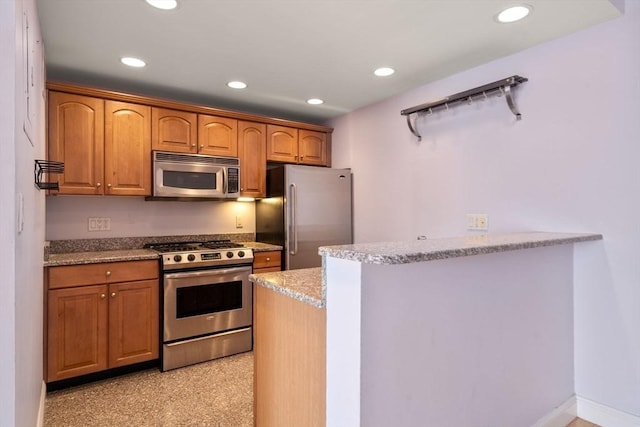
224 180
294 228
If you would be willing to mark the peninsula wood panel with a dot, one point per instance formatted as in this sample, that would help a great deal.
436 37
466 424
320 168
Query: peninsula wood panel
252 152
174 130
76 138
289 361
127 149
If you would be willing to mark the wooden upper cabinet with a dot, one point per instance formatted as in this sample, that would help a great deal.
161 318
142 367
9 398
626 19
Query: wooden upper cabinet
127 149
76 137
217 136
282 144
173 130
312 147
291 145
252 152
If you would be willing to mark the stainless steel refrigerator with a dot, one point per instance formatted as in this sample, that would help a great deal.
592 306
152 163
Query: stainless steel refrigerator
306 207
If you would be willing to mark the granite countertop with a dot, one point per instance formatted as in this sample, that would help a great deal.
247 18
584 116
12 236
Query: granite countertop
306 285
303 285
262 247
73 258
124 254
434 249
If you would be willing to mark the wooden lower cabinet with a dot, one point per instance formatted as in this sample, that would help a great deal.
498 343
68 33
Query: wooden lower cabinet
289 353
266 262
93 327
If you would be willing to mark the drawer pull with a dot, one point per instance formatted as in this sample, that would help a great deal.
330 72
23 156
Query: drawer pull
108 273
102 296
113 294
268 259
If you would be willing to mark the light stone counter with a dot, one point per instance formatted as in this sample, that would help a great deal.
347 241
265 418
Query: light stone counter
303 285
434 249
308 286
95 257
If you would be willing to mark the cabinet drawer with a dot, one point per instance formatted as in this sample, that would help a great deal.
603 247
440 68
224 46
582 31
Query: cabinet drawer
108 272
266 259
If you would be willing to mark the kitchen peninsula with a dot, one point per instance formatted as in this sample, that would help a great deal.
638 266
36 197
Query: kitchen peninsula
459 331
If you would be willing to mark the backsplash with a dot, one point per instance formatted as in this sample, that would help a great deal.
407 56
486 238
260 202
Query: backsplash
67 217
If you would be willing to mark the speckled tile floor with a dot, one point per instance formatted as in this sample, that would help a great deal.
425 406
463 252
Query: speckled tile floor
218 393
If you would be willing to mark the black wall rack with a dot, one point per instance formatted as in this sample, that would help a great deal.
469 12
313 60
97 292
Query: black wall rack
42 167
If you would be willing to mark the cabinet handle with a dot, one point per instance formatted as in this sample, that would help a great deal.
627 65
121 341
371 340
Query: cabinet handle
98 185
108 273
108 185
202 146
193 145
268 259
301 157
113 294
102 296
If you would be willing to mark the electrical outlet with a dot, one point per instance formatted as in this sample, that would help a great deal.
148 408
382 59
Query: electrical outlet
477 222
99 224
238 221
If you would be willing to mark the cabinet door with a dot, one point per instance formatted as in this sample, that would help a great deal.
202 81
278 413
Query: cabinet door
252 151
127 149
282 144
133 322
76 331
173 130
76 137
313 148
217 136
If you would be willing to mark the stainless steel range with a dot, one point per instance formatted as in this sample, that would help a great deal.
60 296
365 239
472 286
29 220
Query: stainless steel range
207 304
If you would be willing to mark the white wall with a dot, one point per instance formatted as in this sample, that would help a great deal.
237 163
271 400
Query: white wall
135 217
571 164
7 217
21 258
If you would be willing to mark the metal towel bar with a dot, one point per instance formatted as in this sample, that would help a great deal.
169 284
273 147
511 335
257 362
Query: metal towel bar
499 87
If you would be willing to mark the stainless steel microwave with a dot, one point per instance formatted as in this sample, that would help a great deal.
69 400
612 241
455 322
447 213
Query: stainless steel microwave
195 176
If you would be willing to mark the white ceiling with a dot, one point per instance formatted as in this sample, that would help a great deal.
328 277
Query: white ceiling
290 50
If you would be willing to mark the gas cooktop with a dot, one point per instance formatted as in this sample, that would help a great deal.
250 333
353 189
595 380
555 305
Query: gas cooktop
184 255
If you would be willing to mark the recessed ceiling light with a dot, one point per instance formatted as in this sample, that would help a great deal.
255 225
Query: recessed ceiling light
237 85
315 101
132 62
163 4
513 13
384 71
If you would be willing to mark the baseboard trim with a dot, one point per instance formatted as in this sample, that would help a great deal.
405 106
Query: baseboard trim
560 416
43 394
605 416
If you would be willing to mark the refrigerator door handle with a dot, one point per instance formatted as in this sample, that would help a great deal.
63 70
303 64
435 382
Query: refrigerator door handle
294 229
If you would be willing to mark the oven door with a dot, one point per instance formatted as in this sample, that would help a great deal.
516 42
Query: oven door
206 301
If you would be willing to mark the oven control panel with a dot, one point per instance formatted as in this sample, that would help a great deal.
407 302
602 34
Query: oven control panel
207 258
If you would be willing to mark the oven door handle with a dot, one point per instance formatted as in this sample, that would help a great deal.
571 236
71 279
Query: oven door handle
204 273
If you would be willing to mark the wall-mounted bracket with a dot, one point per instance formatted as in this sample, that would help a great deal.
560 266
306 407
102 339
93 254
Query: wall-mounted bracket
498 87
